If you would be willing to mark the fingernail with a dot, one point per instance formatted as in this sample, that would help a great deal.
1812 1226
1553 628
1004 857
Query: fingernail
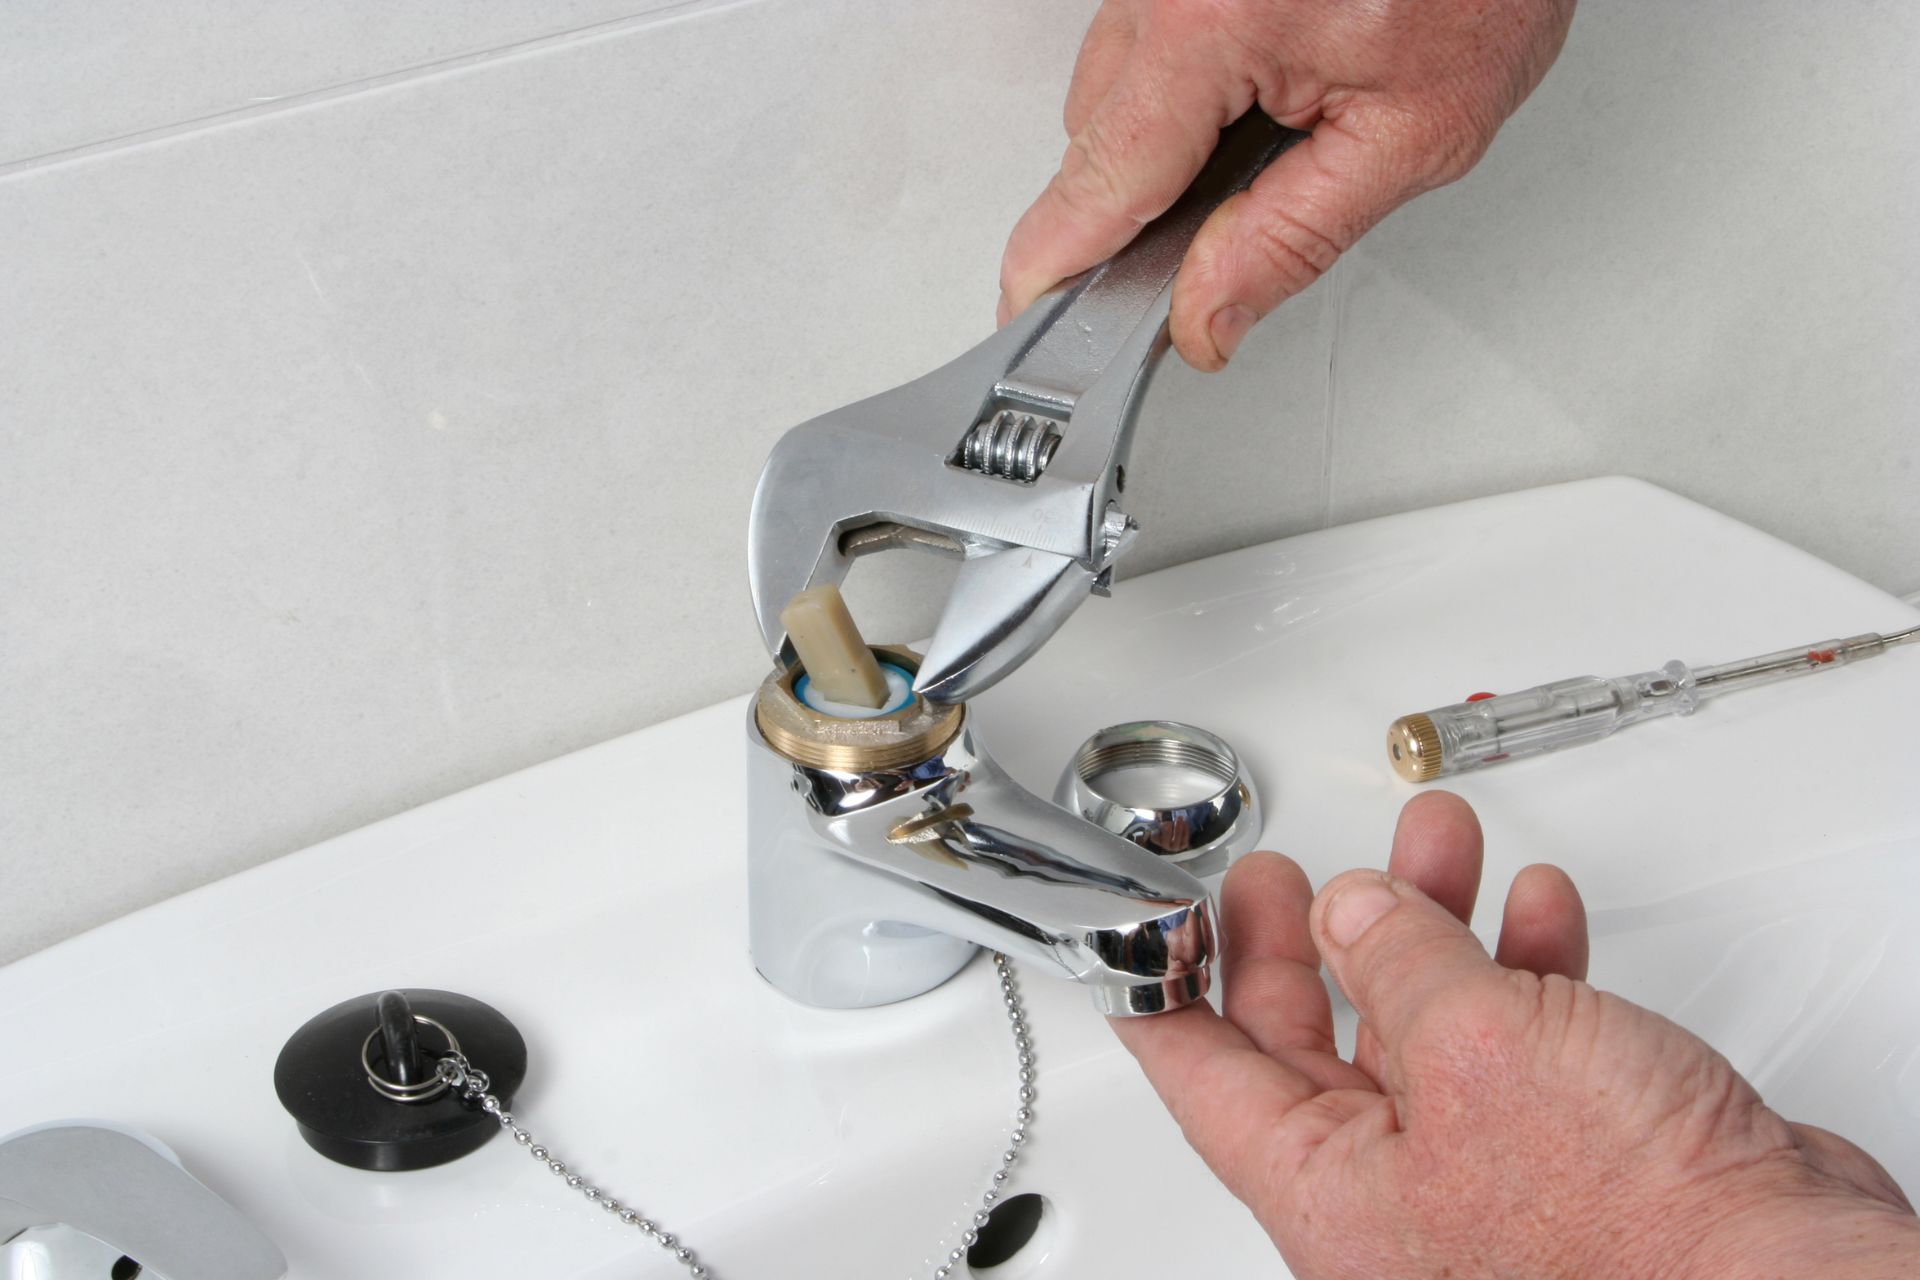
1355 908
1228 326
1004 312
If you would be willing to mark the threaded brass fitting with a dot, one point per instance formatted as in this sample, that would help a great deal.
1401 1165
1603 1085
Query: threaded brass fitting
1413 744
915 732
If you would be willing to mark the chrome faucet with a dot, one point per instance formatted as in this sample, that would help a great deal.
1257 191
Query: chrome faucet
883 850
80 1201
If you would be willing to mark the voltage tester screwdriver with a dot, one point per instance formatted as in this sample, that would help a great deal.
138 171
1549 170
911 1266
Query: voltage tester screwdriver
1486 729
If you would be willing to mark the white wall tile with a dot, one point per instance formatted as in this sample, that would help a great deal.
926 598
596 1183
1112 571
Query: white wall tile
1229 459
83 73
359 453
1693 259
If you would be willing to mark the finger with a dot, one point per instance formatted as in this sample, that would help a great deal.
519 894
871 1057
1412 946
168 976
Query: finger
1271 972
1369 1055
1838 1158
1438 848
1544 927
1233 1102
1392 949
1102 54
1137 152
1274 239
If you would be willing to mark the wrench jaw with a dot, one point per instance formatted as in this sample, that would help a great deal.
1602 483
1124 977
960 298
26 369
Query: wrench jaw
883 474
1005 602
787 551
862 480
1003 607
882 460
832 490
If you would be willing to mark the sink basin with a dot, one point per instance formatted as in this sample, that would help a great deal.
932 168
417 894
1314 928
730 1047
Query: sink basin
1753 872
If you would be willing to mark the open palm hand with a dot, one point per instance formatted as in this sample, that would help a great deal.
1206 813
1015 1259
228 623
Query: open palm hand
1500 1116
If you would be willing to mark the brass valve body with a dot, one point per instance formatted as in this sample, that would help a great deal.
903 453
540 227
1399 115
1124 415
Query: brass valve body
914 732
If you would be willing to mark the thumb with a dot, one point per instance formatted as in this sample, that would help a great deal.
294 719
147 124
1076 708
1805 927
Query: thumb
1392 949
1281 234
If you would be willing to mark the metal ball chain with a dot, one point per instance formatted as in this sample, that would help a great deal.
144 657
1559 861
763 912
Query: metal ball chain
474 1085
1022 1116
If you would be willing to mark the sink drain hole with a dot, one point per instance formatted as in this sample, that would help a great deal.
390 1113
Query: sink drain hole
1010 1227
125 1269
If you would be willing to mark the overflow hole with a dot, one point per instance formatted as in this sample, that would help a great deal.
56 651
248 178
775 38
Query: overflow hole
125 1269
1010 1227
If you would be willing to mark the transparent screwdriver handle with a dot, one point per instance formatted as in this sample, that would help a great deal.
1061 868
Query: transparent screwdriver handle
1546 717
1486 729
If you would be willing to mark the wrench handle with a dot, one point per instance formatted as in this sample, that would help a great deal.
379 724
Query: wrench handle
1096 314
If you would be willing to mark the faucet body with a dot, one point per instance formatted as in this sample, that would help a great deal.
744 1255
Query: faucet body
77 1198
868 885
880 856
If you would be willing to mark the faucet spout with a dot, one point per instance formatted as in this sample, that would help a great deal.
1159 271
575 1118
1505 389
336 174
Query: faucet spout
893 875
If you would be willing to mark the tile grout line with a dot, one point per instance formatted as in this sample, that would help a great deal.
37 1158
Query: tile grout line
671 11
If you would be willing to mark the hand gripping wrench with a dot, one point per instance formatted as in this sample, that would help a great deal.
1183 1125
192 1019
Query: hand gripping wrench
1012 457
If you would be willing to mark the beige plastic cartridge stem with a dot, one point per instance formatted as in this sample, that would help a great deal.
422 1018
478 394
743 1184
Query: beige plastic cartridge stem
831 649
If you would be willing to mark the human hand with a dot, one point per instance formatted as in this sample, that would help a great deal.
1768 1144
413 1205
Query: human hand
1401 96
1500 1117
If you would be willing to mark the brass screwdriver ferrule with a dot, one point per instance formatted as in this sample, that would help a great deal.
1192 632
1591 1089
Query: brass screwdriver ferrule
914 732
1413 744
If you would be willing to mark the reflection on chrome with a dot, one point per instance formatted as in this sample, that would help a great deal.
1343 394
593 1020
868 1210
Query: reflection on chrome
869 887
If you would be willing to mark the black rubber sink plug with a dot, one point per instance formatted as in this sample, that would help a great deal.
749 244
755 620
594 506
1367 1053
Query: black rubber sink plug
359 1079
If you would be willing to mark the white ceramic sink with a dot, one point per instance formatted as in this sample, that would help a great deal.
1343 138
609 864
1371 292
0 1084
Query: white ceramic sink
1753 872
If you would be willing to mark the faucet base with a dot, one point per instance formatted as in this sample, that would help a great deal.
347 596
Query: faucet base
885 964
809 936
